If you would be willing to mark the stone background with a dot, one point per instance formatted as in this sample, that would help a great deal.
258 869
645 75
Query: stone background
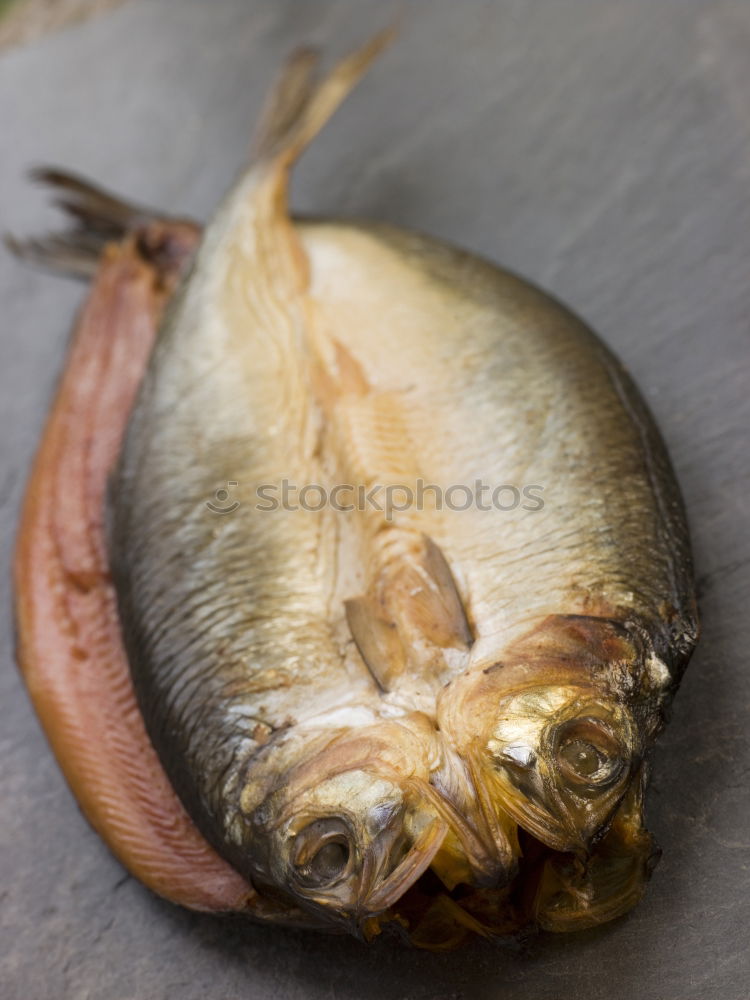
600 147
22 21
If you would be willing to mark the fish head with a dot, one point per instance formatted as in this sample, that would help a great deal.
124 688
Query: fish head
345 834
560 758
555 732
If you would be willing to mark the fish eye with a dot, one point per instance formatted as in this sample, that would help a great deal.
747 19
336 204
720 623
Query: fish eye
586 761
588 755
329 862
322 853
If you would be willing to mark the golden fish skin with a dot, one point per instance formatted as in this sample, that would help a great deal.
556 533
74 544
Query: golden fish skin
582 614
342 701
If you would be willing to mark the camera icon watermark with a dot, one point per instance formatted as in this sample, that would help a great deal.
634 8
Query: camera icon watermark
222 502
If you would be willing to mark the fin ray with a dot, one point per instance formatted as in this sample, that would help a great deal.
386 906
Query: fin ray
298 107
99 218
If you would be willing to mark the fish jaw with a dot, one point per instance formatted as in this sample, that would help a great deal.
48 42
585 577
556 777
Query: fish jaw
571 893
481 848
555 731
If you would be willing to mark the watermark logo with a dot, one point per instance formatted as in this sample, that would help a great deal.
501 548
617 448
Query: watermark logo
223 501
387 499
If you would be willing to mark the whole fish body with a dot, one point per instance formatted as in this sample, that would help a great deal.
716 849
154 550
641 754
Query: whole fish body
344 699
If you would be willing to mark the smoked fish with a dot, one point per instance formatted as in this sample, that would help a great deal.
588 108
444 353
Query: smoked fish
431 714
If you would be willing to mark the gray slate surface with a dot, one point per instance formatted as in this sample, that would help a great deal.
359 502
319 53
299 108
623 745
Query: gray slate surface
600 147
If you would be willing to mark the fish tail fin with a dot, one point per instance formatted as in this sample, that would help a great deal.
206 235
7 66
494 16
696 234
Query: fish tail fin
66 253
299 105
254 225
98 218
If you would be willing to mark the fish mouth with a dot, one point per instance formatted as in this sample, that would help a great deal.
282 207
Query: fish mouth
449 848
572 892
448 862
416 862
445 854
551 890
482 853
446 850
433 873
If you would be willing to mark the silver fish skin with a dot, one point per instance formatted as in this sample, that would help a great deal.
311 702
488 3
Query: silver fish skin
271 728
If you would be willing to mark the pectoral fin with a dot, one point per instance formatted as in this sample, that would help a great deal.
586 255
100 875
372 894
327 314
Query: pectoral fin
377 640
412 614
437 608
